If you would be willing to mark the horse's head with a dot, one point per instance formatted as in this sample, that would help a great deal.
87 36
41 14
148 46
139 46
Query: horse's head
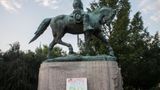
107 15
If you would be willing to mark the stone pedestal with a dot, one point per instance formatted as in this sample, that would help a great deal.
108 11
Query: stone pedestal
101 75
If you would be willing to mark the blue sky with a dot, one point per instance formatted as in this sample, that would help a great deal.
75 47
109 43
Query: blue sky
19 19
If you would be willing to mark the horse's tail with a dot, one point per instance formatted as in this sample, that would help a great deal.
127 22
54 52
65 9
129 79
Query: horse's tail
42 27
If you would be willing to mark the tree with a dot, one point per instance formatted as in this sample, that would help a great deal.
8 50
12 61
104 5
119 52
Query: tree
119 34
1 54
13 53
95 45
19 70
137 43
136 50
56 52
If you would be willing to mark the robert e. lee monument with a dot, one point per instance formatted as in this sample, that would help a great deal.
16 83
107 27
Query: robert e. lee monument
76 72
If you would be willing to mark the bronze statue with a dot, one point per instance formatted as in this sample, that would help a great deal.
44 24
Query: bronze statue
80 16
79 22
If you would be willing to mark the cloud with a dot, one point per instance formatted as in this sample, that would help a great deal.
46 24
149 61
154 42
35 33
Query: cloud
156 17
11 5
151 7
15 5
48 3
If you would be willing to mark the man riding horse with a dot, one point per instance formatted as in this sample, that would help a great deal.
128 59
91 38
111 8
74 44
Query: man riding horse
80 16
78 22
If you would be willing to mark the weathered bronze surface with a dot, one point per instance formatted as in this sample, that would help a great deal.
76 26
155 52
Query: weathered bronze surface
76 58
78 22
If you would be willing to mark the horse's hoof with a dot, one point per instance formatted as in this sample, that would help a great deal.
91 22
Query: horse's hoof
49 57
111 53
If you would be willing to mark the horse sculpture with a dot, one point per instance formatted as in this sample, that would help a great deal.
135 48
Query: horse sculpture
63 24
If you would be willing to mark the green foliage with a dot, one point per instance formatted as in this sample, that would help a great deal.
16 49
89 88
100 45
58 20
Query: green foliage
140 68
1 55
56 52
110 3
119 35
19 70
95 45
13 53
137 52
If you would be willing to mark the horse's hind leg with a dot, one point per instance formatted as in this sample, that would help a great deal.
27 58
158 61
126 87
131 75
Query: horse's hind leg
104 40
51 45
68 45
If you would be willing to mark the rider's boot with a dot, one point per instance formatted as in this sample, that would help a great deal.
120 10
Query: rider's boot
86 25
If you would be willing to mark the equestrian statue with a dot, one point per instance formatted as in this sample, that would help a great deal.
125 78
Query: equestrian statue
78 22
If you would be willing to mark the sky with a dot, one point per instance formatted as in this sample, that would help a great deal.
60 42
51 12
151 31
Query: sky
19 20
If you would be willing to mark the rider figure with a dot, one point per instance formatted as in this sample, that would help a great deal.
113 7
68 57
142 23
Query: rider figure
78 13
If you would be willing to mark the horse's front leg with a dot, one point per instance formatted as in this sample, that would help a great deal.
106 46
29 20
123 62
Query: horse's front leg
100 36
87 36
68 45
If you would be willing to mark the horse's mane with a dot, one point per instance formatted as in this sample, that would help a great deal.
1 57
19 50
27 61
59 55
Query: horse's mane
100 9
97 10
